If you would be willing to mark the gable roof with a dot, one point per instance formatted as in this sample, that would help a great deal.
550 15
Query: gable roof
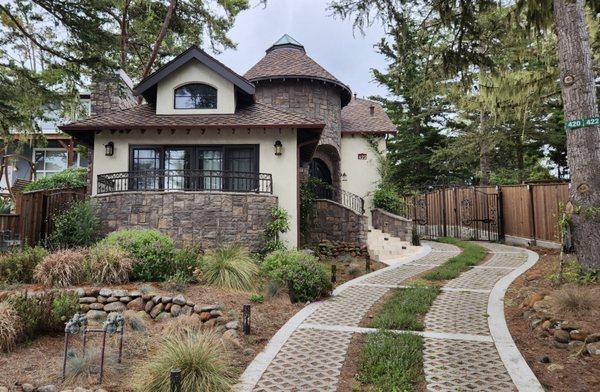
357 118
287 59
144 116
193 52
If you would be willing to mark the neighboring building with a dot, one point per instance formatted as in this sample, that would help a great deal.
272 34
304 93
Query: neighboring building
210 152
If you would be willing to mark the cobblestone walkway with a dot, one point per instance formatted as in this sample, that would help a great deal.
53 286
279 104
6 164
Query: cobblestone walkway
459 351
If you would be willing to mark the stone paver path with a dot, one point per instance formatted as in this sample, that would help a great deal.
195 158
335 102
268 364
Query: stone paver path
460 353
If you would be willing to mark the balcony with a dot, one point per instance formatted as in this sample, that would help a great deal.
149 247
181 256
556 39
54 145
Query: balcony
185 180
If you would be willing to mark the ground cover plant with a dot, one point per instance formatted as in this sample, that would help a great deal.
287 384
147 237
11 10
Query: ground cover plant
472 254
406 309
391 361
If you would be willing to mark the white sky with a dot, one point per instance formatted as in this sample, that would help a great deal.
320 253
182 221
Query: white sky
327 40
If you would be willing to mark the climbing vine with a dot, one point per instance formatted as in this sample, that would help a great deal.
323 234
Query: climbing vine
279 224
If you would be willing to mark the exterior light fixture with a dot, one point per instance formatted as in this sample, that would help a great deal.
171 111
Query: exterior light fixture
344 177
278 148
109 149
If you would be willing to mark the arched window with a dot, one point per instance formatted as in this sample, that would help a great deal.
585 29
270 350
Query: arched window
196 96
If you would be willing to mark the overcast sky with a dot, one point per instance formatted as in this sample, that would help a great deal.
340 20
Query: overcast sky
328 40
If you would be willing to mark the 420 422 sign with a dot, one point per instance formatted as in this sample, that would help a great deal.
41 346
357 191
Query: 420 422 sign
582 122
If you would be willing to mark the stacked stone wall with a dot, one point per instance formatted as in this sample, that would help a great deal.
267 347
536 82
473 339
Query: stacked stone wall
204 218
338 224
394 225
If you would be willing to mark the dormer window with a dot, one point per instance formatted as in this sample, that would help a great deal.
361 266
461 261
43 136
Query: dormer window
196 96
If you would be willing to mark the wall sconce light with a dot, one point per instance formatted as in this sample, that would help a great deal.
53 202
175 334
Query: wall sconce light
278 148
344 177
109 149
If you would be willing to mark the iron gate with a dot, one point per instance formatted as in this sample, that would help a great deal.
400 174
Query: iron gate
462 212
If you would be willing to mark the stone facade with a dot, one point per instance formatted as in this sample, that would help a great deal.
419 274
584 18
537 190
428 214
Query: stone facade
336 223
394 225
111 92
205 218
311 99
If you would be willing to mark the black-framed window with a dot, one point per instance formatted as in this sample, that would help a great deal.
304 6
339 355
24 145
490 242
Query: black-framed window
195 96
198 167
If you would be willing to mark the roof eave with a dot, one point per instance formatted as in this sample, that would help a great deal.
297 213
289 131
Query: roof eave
78 128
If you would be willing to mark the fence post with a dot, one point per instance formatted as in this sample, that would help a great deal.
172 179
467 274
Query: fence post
532 215
500 218
175 380
444 220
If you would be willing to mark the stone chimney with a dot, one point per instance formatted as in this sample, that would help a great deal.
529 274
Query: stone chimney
111 91
372 110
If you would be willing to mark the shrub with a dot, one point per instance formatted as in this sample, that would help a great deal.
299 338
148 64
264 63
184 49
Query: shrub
186 259
200 358
75 227
109 264
17 266
64 306
575 299
61 268
229 267
6 205
152 250
11 327
257 298
69 178
389 200
307 280
275 262
178 281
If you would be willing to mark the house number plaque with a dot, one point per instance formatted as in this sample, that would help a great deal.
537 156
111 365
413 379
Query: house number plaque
362 156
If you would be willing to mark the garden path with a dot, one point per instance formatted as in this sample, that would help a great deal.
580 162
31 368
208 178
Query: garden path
461 353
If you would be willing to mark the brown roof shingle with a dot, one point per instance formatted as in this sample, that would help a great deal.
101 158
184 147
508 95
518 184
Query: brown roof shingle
357 118
144 116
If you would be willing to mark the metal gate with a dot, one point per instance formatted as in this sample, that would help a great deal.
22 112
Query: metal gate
460 212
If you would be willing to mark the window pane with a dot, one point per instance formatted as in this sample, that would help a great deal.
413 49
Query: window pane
241 161
55 160
212 160
196 96
146 159
175 162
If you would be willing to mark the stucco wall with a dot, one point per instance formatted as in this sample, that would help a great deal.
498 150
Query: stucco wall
362 175
194 72
204 218
283 168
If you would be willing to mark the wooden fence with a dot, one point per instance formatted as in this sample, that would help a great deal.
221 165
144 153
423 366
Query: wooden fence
528 211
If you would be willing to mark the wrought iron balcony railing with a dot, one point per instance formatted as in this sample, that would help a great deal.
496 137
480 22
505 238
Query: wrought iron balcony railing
185 180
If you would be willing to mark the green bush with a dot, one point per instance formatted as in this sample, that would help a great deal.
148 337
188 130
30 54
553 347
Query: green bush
18 265
389 200
307 280
275 262
64 306
109 264
186 260
152 251
75 227
257 298
69 178
6 205
229 267
280 223
200 358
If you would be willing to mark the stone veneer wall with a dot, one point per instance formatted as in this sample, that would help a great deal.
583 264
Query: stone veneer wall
394 225
311 99
110 92
336 223
206 218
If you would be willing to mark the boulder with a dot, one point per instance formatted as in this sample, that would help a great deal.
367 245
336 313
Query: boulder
96 315
101 299
125 299
216 313
207 308
166 300
137 304
114 307
593 348
156 299
119 293
84 308
175 310
179 300
168 307
561 336
204 316
533 298
105 292
210 323
87 300
80 389
135 293
569 326
592 338
578 335
112 299
232 325
187 310
156 310
26 387
163 316
231 336
96 306
147 297
47 388
91 291
149 305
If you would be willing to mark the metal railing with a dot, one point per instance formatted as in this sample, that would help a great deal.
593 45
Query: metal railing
345 198
185 180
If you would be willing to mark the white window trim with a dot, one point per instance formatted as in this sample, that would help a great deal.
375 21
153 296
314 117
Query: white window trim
76 163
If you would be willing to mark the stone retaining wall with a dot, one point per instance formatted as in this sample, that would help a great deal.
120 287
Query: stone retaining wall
336 223
394 225
206 218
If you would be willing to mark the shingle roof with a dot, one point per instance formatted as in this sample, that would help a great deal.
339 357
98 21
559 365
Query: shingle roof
288 59
357 118
144 116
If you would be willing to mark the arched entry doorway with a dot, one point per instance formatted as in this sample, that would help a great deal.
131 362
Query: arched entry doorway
318 169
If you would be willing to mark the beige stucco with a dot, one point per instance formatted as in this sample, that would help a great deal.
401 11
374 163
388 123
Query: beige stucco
362 176
283 168
194 72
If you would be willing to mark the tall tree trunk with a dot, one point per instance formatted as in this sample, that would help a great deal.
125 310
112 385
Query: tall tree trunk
124 35
161 36
583 144
484 149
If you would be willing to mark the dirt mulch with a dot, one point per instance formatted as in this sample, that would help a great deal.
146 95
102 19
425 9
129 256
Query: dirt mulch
580 373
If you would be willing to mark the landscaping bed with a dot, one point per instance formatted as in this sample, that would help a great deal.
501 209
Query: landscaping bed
556 326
